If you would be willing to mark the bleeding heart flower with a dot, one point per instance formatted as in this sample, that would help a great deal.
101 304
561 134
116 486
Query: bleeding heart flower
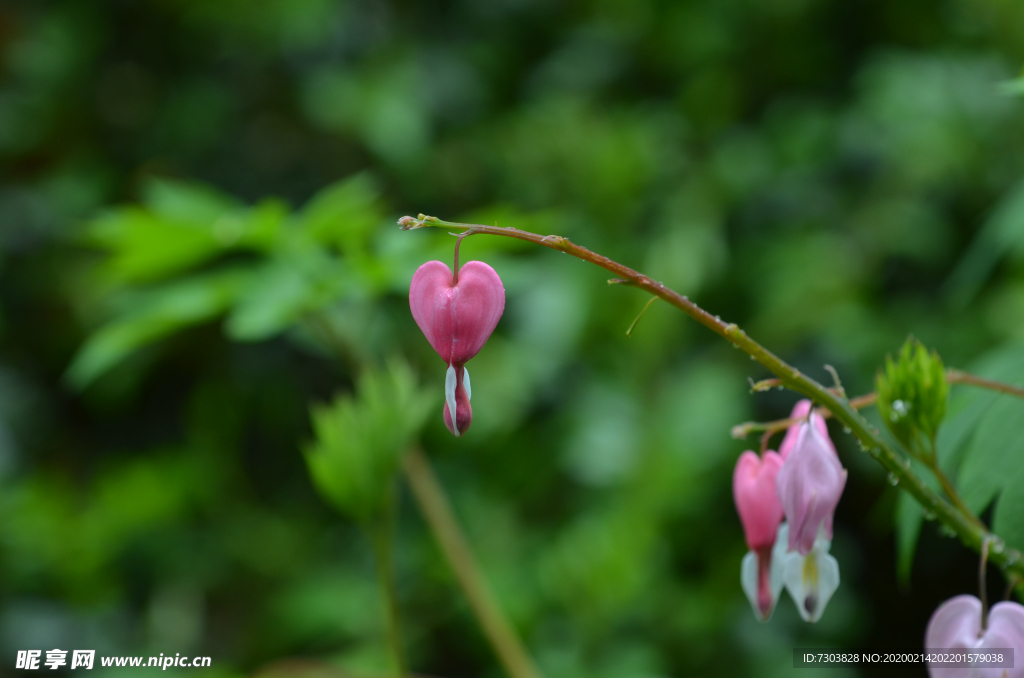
457 315
809 484
753 489
956 624
800 411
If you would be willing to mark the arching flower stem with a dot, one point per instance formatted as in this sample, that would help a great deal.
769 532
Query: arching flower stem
962 524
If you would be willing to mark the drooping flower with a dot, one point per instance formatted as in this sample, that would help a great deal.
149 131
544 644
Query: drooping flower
957 624
753 489
811 579
800 411
457 315
809 484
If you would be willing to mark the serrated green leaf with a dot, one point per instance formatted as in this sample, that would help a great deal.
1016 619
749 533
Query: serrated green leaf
146 247
360 440
180 227
283 291
344 213
186 202
153 315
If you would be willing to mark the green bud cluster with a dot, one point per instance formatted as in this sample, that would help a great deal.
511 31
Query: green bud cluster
912 394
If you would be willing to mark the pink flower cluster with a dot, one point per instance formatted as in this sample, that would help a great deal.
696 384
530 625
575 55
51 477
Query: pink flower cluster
786 501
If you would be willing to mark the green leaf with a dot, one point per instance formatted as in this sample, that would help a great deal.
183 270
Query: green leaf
180 227
1002 233
152 315
988 424
360 440
959 448
909 518
344 213
185 202
996 455
283 291
1008 517
146 247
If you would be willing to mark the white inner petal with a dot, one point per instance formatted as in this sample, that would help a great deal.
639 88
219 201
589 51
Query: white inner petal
465 382
748 580
812 580
449 396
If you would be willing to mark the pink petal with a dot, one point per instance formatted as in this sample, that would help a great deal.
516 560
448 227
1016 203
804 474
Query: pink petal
809 484
956 623
457 320
757 502
800 411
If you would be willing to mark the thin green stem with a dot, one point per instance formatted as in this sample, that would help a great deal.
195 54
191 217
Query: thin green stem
381 533
969 532
438 513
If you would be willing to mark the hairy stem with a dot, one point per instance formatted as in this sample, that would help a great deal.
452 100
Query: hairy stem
438 513
969 532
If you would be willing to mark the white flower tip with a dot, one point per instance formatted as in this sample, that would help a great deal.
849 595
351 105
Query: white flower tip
449 396
465 383
811 580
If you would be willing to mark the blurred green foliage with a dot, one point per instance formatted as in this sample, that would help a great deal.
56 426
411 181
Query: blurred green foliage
197 244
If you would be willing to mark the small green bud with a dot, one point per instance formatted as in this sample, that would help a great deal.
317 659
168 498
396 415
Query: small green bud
360 440
912 393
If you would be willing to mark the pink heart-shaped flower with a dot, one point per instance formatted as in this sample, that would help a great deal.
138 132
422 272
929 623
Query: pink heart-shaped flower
753 490
956 624
457 317
757 502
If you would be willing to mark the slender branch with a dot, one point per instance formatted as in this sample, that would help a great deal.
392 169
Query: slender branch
842 409
439 515
740 431
961 377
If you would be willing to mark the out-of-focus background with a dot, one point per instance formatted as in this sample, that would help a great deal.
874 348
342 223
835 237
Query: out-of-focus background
198 243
